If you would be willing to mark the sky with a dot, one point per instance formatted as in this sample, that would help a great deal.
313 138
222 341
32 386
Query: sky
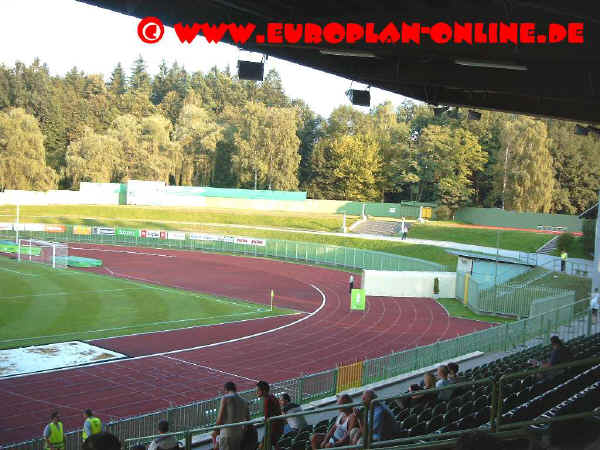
67 33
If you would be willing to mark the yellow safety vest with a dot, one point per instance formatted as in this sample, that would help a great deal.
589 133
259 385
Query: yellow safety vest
563 256
57 437
95 425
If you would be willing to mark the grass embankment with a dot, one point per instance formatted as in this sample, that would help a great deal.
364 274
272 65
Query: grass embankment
425 252
525 241
457 309
44 305
140 214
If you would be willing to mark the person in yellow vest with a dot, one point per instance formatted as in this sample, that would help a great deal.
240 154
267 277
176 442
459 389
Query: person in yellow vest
91 426
53 433
563 260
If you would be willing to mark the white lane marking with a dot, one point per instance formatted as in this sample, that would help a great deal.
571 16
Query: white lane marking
122 251
212 369
173 352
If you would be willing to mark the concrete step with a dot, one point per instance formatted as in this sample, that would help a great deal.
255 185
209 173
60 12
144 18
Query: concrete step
384 228
549 246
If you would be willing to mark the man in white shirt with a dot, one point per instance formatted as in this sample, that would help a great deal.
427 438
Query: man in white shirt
595 305
351 283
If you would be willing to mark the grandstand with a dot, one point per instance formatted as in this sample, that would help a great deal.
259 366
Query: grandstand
503 391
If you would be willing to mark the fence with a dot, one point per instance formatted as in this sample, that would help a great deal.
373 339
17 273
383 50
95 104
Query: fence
568 322
301 251
510 298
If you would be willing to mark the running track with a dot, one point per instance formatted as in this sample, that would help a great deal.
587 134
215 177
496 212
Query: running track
180 367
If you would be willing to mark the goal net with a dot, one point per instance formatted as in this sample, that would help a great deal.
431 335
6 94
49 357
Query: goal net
51 253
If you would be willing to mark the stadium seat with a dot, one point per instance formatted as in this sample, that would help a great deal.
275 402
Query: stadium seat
409 422
481 401
451 416
424 416
439 409
418 429
402 415
465 409
435 423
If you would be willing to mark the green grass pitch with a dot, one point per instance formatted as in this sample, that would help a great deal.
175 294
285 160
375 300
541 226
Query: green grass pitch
41 305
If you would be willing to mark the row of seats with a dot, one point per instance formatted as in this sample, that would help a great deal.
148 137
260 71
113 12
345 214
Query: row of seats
523 399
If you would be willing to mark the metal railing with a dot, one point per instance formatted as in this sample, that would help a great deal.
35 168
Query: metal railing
511 298
314 253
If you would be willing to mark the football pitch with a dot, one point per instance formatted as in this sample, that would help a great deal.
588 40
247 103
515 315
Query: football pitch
41 305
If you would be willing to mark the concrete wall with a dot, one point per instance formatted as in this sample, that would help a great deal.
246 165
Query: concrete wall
382 283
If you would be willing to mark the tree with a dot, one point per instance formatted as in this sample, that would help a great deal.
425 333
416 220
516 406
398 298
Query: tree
392 140
450 156
118 83
198 134
22 153
310 130
527 182
266 146
345 168
139 79
160 84
576 165
93 157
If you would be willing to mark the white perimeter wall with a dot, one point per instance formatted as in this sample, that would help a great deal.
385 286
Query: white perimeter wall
384 283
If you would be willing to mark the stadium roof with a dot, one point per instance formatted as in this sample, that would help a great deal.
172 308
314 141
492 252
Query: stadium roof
560 80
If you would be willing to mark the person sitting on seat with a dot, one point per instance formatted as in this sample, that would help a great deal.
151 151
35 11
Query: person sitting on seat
384 426
442 382
339 433
287 407
167 442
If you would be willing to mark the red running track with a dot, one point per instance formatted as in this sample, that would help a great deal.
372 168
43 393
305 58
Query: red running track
180 367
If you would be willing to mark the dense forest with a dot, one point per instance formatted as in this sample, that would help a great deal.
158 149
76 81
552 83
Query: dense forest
212 129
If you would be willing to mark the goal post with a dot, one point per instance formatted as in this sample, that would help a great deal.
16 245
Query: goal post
54 254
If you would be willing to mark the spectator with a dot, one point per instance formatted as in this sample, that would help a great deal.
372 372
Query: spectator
166 442
54 434
339 433
351 283
453 373
271 408
559 355
102 441
478 440
287 407
92 425
233 409
404 231
384 426
595 305
442 382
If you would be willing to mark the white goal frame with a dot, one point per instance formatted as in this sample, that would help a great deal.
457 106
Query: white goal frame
54 254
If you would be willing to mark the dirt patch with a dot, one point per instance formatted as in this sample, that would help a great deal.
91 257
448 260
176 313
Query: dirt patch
102 356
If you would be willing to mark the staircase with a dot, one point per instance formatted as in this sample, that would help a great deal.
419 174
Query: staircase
549 246
379 227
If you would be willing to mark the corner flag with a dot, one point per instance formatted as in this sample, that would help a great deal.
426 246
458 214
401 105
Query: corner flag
358 299
272 294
